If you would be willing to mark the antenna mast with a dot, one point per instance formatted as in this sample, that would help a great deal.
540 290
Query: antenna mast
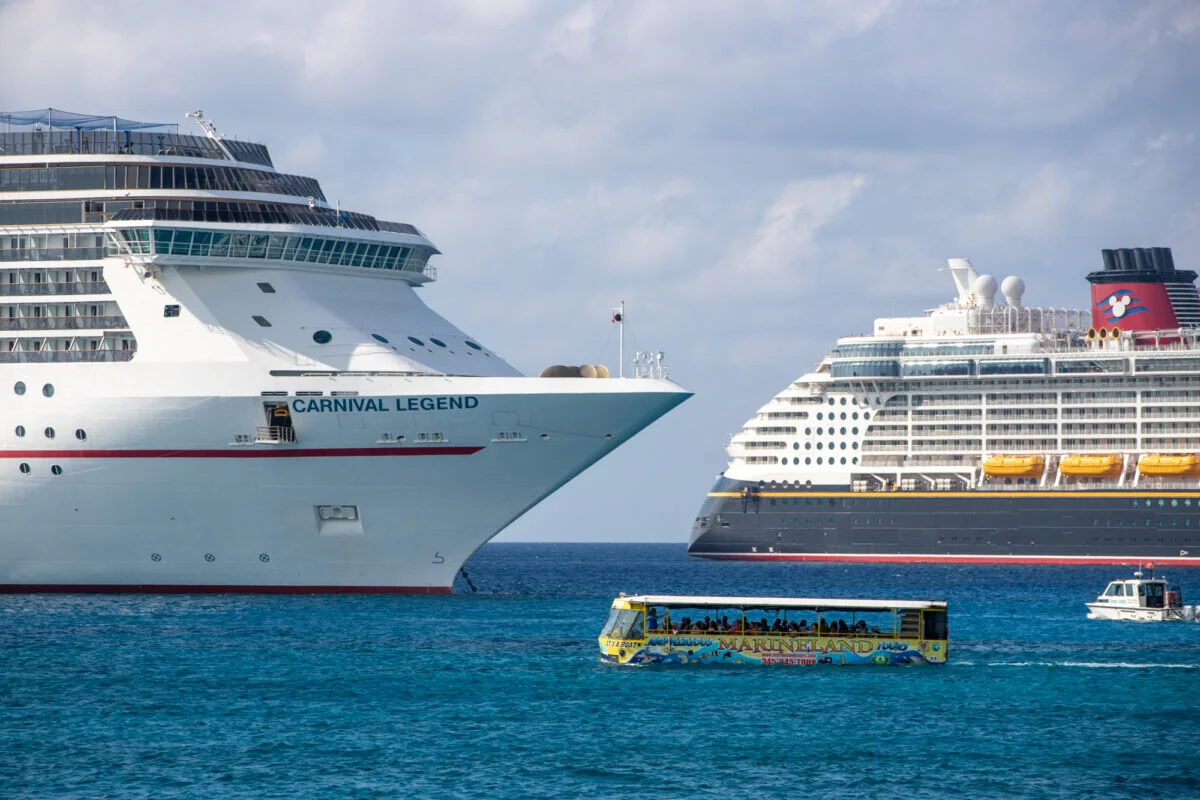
210 129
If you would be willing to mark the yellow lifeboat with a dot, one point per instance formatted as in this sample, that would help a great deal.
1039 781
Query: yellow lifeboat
1105 466
1171 466
1014 466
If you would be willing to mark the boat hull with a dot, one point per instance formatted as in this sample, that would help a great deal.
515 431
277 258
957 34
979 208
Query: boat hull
1136 614
159 499
738 520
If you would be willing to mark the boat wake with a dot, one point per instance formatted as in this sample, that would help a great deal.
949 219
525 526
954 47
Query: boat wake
1080 664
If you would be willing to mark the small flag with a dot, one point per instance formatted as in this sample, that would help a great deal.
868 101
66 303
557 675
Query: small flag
617 315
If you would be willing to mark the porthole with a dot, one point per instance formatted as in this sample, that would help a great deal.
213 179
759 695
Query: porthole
472 345
795 461
818 459
808 431
49 433
831 401
1174 503
416 341
854 415
24 468
438 342
866 415
854 460
807 460
795 445
854 430
20 431
322 337
854 445
1161 503
819 414
808 445
19 387
843 445
843 431
48 390
820 431
820 446
843 459
843 401
843 415
80 434
379 338
56 470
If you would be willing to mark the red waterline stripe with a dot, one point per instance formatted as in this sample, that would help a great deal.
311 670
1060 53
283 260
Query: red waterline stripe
312 452
934 559
165 588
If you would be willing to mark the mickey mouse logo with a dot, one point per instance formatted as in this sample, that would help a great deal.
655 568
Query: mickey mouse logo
1119 304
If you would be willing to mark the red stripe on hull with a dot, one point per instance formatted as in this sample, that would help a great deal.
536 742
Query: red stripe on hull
150 588
312 452
935 559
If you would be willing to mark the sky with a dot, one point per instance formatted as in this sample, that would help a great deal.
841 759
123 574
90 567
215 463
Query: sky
753 179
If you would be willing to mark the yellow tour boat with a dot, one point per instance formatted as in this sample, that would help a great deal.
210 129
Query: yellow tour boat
1014 466
1171 466
1101 466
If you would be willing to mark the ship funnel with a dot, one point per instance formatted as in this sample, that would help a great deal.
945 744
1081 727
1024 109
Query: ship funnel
964 278
1013 290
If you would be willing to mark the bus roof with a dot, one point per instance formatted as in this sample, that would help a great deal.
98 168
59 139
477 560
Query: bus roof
807 603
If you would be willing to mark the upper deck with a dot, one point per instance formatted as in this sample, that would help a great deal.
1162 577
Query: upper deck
803 603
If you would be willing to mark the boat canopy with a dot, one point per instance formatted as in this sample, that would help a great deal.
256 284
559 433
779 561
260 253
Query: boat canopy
806 603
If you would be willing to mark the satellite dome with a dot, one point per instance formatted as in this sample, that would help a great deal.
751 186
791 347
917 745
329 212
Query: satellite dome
984 286
1013 288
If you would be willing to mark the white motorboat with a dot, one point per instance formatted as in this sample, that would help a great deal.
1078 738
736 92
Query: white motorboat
1141 599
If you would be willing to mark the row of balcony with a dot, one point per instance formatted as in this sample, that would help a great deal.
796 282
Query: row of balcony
80 323
42 289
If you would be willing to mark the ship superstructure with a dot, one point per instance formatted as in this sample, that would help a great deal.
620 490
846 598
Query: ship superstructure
215 379
984 430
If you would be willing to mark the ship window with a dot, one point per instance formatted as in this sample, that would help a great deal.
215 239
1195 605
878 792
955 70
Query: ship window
20 431
472 345
48 391
831 401
796 460
416 341
19 387
262 321
266 288
322 337
807 460
56 470
49 433
171 310
378 338
24 468
80 434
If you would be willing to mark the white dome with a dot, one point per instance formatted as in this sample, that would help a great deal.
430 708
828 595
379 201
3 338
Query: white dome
984 286
1013 287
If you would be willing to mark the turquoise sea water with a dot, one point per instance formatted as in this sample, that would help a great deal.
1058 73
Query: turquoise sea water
500 694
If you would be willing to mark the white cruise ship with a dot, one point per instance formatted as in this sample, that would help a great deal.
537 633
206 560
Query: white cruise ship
216 381
984 431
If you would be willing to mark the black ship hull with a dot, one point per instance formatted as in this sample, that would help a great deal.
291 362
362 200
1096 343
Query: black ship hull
742 520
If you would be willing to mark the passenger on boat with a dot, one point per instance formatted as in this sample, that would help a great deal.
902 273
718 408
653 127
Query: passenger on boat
652 619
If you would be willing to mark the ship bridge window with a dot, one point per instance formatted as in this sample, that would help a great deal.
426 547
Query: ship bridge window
878 349
950 349
865 369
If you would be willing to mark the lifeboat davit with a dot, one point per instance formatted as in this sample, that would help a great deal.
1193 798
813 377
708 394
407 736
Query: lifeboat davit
1104 466
1014 466
1171 466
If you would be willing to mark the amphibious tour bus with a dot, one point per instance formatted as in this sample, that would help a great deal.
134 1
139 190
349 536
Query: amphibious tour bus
671 629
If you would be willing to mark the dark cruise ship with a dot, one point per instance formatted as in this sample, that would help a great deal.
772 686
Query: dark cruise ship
984 431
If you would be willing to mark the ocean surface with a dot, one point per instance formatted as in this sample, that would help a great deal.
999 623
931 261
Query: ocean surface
499 693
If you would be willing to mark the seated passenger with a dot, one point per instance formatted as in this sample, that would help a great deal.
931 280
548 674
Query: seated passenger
725 623
842 626
652 619
860 627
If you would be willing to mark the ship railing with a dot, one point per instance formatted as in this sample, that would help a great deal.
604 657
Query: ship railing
78 323
275 434
52 254
64 356
649 365
72 287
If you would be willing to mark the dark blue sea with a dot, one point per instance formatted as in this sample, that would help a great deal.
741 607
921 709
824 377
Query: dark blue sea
498 692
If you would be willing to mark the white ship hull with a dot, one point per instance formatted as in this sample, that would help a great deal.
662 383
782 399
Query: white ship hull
158 499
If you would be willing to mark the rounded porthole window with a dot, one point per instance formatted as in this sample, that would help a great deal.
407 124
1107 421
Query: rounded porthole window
820 415
19 387
854 415
820 446
80 434
843 459
20 431
472 345
24 468
49 433
322 337
807 460
831 401
808 445
843 401
866 415
416 341
854 460
56 470
795 461
795 445
48 390
819 459
379 338
843 431
843 415
438 342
